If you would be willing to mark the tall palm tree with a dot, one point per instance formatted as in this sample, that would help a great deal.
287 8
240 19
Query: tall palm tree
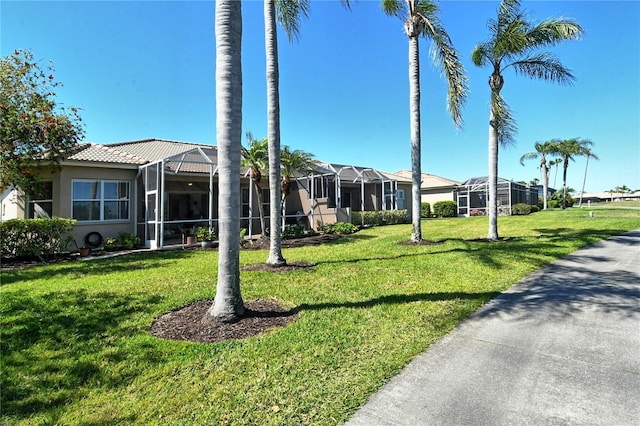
589 154
294 163
542 149
568 149
420 19
514 41
228 305
256 158
287 13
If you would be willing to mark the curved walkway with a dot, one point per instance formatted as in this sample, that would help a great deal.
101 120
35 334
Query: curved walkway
560 347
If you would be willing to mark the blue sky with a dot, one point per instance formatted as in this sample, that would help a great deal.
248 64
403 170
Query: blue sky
146 70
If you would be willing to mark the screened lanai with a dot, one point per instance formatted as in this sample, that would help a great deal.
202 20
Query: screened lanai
176 196
473 196
333 190
179 193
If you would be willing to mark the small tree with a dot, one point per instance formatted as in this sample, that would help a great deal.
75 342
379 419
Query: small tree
256 158
36 131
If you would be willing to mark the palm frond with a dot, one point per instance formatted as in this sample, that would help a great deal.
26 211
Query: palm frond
504 120
446 57
397 8
508 12
544 66
553 31
289 13
481 54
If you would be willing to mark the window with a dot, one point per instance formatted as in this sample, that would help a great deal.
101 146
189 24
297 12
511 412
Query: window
245 202
400 199
100 200
41 204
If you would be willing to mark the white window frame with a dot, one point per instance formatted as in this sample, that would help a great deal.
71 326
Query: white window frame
100 198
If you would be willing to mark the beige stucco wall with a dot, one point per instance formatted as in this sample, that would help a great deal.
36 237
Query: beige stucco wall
434 195
62 181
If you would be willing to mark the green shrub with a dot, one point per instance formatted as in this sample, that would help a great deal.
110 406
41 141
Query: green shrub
342 228
554 204
535 209
425 210
445 209
293 231
521 209
125 240
379 217
35 238
204 233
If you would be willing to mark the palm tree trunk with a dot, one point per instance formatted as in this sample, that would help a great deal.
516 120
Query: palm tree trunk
493 175
228 305
414 107
545 185
584 181
273 130
259 197
564 183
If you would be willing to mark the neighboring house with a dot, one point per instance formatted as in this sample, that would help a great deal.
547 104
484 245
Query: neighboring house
473 196
161 190
433 188
540 190
613 196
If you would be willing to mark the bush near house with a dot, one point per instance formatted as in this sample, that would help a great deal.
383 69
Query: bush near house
35 238
379 217
445 209
342 228
425 210
555 201
125 240
521 209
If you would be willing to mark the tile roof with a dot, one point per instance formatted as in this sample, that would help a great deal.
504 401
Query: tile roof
91 152
155 149
134 152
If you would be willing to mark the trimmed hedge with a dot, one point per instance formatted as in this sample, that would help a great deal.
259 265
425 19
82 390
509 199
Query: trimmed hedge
521 209
445 209
35 238
379 217
425 210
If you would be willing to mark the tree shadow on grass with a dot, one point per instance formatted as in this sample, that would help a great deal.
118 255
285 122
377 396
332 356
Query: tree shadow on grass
56 345
127 262
397 299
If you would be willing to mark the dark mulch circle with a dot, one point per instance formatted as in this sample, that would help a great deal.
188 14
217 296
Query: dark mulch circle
288 267
263 244
188 323
421 243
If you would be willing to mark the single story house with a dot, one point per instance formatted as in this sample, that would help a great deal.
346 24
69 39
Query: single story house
161 190
433 188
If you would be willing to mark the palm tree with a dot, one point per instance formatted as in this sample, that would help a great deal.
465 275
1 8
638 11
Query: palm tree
542 149
256 159
556 162
288 13
293 163
514 41
420 18
589 154
228 305
567 149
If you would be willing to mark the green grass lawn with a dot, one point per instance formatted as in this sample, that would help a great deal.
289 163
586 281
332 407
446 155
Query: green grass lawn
76 347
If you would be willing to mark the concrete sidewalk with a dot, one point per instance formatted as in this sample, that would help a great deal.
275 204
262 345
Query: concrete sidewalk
560 347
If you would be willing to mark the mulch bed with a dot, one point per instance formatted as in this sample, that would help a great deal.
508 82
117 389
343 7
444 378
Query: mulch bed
189 323
288 267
